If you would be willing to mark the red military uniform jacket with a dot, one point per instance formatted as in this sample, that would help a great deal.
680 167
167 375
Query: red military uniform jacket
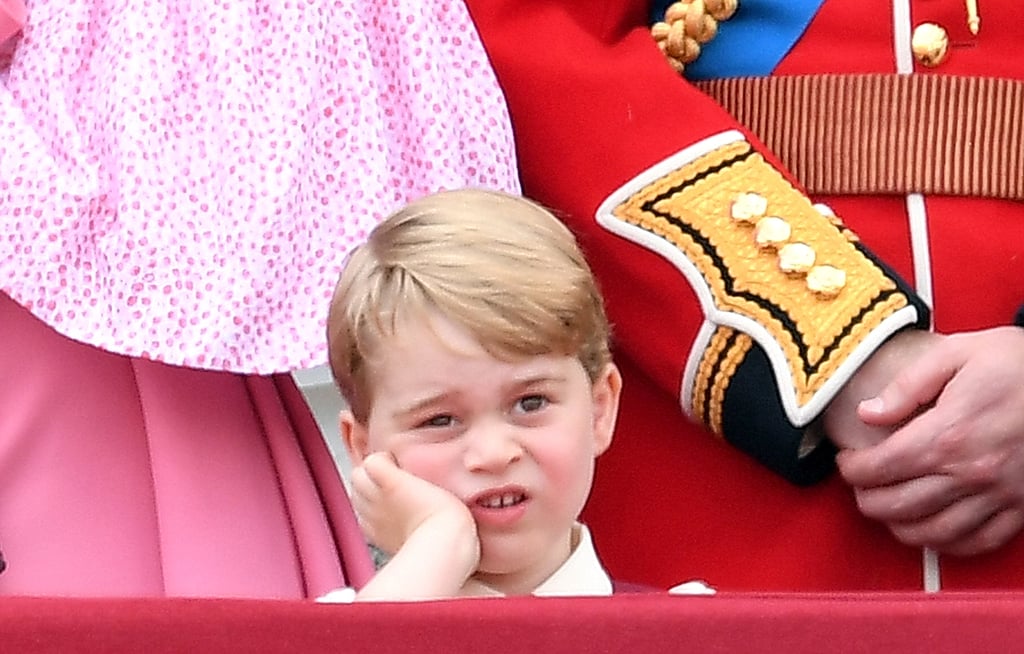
727 358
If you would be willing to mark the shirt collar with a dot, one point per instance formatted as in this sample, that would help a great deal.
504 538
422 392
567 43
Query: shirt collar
582 573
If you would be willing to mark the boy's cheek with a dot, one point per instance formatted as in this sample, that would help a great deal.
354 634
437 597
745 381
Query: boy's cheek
425 461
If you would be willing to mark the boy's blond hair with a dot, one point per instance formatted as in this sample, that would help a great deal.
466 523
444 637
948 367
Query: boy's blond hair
501 266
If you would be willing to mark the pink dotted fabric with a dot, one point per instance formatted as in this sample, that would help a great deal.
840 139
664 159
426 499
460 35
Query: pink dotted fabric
181 181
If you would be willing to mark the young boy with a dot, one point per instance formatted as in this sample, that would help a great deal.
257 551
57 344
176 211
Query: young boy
470 342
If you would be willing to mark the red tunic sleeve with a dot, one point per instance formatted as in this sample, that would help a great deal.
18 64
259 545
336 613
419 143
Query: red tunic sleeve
669 195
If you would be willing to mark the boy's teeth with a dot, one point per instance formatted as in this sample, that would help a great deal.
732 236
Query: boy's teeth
501 501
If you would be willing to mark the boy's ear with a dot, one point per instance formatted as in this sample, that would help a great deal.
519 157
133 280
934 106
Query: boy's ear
355 436
606 390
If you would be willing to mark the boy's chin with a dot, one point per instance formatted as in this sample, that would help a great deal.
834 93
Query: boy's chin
513 555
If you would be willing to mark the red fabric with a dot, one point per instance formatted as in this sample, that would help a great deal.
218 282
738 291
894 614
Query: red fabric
953 623
670 505
127 477
12 18
593 104
356 567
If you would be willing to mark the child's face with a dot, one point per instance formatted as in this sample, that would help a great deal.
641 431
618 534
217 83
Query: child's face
515 441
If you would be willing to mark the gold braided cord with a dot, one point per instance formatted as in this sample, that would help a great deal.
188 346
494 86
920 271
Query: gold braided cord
687 25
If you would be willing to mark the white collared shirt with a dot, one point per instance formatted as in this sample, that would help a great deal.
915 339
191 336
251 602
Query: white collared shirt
581 575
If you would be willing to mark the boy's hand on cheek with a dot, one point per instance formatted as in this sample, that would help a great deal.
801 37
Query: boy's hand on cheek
395 507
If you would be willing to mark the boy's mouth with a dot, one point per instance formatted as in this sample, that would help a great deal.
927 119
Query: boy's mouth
501 500
500 508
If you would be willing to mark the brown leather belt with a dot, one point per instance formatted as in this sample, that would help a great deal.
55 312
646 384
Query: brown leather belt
898 134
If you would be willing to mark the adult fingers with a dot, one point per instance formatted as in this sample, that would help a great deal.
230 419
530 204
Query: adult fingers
990 536
949 525
910 390
907 454
908 501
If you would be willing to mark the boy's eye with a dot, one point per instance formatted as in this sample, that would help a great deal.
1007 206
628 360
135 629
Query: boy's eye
531 403
438 421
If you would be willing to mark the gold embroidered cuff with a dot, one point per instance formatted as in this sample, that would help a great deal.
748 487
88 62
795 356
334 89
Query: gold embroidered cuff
768 266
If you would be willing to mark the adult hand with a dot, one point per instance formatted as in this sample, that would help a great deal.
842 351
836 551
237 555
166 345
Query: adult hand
952 476
900 353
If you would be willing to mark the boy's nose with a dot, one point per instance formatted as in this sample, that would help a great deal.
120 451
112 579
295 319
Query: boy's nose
490 449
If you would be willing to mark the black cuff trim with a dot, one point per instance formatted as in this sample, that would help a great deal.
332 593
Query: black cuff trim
754 421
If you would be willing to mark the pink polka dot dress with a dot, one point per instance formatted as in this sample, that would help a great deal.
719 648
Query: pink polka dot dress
181 181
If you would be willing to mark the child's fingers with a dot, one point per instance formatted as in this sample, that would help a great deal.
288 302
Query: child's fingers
381 469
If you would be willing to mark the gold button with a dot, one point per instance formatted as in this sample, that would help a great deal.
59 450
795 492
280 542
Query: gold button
796 258
749 207
826 281
771 232
930 44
